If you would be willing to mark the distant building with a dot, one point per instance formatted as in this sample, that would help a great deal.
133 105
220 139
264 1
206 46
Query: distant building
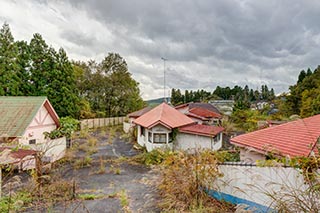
202 113
224 106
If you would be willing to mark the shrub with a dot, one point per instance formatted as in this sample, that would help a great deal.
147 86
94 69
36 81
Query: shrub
184 178
155 157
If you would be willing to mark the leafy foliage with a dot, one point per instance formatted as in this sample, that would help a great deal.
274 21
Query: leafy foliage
67 127
247 119
304 96
108 86
155 157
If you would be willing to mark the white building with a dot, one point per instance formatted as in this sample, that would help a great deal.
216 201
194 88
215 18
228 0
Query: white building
164 126
25 119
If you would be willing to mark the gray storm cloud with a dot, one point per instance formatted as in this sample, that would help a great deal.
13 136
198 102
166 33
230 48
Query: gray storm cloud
208 43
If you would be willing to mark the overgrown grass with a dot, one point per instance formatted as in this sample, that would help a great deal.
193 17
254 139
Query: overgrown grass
84 133
155 157
124 200
82 162
16 201
89 196
92 141
184 178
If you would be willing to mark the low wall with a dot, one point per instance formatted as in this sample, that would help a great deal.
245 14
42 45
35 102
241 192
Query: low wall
101 122
250 185
126 127
53 150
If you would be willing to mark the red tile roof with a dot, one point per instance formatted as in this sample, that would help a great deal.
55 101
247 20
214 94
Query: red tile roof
21 153
199 129
140 112
204 113
10 156
165 115
295 138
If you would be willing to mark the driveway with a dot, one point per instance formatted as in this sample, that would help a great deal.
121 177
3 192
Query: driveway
121 185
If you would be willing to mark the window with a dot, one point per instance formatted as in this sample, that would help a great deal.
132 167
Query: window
149 136
33 141
159 138
142 130
217 138
171 137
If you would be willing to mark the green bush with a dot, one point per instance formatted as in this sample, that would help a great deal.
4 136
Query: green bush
155 157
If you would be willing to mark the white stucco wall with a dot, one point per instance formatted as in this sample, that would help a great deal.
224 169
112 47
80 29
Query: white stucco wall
127 127
191 142
42 122
52 149
254 183
141 139
250 156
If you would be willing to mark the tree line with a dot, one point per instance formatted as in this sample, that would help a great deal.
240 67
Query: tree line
304 96
77 89
243 97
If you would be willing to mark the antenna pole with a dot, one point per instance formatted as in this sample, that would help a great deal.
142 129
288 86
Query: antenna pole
164 78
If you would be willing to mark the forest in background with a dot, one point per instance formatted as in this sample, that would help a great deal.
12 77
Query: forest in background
243 97
75 88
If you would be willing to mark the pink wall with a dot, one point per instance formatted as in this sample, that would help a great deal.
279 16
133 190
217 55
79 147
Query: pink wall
41 123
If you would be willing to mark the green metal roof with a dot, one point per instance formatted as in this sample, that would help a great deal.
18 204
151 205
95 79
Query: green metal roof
16 113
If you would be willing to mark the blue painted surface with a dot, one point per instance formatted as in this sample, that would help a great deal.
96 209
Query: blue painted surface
236 200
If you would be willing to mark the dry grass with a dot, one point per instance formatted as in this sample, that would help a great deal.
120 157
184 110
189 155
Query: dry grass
183 180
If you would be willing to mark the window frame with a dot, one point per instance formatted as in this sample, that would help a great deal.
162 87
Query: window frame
159 134
32 141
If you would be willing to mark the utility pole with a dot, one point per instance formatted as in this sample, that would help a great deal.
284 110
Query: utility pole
164 78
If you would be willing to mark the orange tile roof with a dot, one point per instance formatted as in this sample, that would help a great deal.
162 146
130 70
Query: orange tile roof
295 138
204 113
165 115
200 129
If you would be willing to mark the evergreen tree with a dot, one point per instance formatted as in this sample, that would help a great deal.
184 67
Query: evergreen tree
61 89
9 83
42 63
24 65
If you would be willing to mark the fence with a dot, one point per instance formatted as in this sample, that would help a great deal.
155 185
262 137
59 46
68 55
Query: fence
101 122
252 186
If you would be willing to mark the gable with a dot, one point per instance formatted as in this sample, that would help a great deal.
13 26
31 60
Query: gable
17 113
42 118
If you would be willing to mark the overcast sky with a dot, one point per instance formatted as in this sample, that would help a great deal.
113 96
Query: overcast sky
207 43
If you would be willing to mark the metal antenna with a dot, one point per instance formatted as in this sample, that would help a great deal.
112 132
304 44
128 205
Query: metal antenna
164 78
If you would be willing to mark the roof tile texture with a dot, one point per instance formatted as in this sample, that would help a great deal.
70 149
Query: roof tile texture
295 138
201 129
204 113
165 115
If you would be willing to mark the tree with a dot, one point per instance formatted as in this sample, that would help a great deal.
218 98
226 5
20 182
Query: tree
61 88
301 76
8 65
24 65
107 86
42 63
